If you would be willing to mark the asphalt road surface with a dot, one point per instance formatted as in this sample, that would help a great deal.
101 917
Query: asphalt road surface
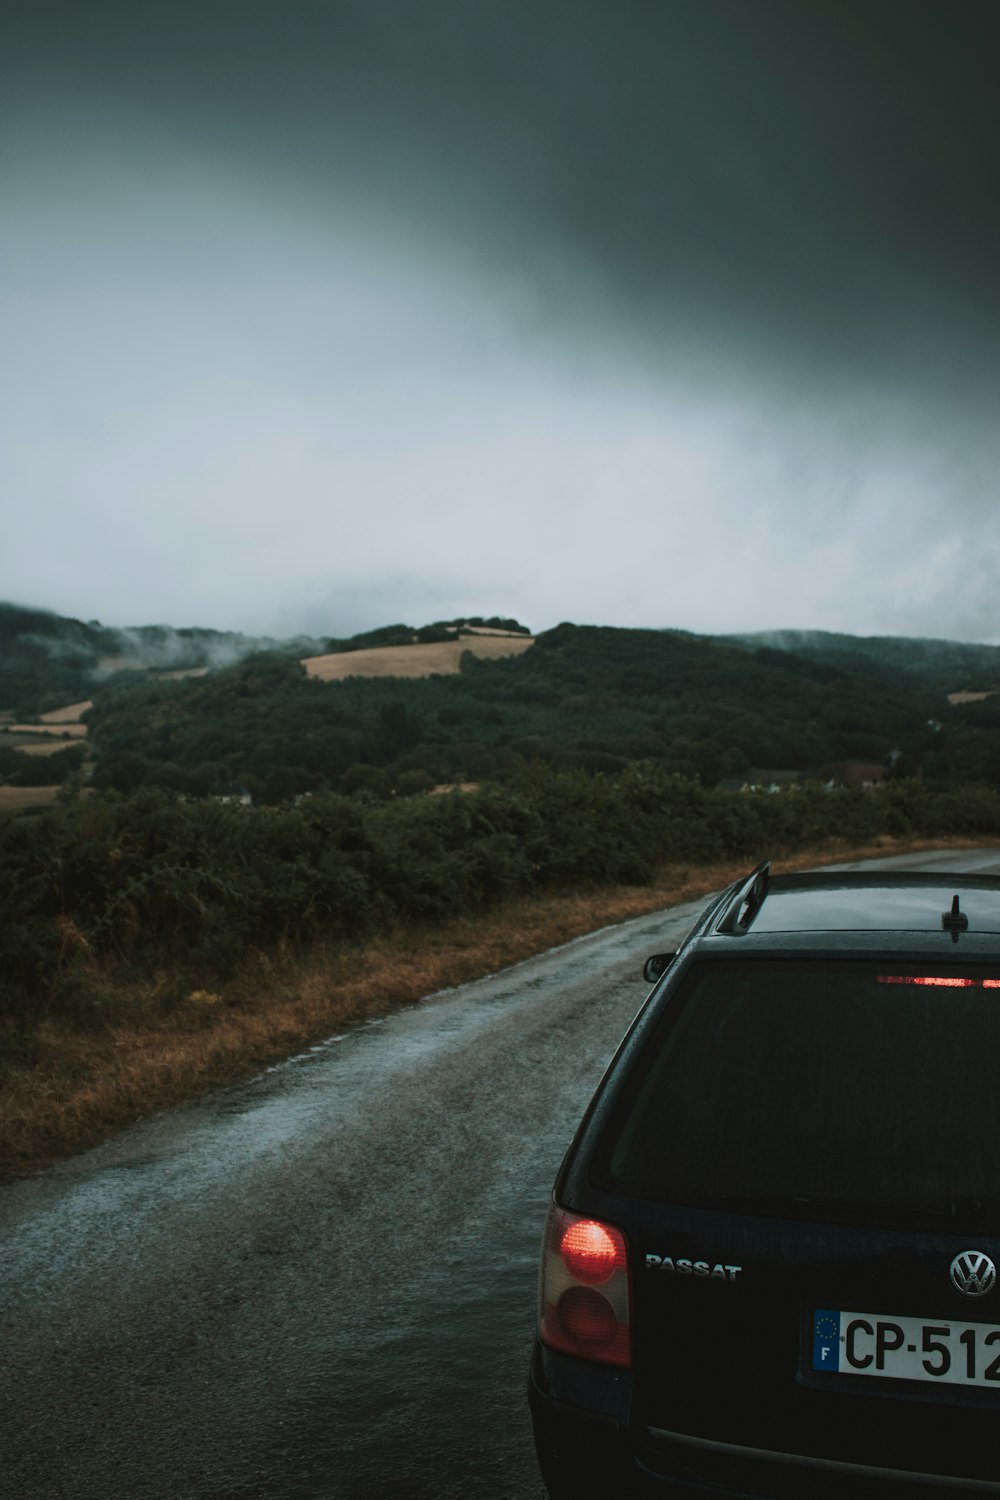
320 1283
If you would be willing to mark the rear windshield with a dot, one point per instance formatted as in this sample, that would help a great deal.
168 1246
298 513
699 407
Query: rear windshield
838 1091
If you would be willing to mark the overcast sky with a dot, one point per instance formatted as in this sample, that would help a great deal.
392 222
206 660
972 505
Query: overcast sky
322 314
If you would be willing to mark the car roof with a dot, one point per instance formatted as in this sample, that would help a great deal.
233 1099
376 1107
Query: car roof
869 912
851 902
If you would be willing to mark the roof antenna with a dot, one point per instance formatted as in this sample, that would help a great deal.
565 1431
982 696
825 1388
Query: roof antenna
954 921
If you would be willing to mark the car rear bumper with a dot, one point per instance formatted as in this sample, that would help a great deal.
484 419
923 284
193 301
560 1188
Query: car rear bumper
731 1469
579 1416
585 1446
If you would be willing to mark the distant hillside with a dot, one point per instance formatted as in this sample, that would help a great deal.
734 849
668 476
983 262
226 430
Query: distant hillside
426 635
362 715
585 696
48 660
52 666
418 658
942 666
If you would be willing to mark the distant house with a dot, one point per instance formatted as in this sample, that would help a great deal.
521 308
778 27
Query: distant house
233 794
761 781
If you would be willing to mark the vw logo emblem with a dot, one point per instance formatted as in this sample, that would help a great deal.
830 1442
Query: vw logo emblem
973 1273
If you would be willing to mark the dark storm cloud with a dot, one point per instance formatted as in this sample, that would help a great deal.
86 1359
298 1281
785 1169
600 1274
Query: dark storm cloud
680 272
817 178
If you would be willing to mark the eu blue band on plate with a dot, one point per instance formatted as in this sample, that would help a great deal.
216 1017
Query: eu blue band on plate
826 1339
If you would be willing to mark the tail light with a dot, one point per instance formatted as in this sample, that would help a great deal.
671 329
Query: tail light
939 981
583 1294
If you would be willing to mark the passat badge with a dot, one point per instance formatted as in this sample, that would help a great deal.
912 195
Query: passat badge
684 1267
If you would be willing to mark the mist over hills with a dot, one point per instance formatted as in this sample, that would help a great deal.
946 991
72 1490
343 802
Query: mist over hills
48 659
45 656
950 666
770 708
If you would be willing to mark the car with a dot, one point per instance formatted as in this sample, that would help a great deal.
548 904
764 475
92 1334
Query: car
770 1262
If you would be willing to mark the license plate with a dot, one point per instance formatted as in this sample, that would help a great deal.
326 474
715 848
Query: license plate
892 1348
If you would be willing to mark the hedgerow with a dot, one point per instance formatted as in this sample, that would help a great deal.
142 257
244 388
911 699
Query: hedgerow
151 878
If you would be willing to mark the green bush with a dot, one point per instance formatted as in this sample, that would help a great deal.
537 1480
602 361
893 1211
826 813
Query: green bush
151 878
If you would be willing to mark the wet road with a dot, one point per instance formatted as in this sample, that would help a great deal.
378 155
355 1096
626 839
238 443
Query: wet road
319 1284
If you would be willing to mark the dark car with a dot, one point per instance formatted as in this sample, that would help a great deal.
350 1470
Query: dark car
770 1262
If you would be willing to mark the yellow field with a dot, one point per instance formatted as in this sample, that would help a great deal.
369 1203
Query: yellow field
37 747
493 630
50 731
12 797
59 729
438 657
71 714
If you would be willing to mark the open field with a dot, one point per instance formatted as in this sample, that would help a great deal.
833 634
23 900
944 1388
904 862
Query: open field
54 730
57 730
37 746
63 1089
14 797
515 635
71 714
437 657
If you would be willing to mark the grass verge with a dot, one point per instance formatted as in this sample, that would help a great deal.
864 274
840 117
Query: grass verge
152 1041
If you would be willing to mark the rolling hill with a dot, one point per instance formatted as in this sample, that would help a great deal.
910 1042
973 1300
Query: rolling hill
404 709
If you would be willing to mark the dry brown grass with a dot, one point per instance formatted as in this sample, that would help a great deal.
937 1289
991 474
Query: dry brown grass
13 797
69 1089
418 660
72 731
68 715
493 630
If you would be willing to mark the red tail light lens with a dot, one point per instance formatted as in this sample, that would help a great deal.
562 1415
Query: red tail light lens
939 981
591 1251
584 1291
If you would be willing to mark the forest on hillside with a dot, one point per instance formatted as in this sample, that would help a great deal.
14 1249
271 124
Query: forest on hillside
791 706
594 757
942 666
47 660
583 697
